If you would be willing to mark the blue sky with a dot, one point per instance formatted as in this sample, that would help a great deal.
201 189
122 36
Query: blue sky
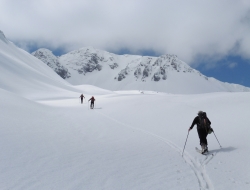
211 36
238 72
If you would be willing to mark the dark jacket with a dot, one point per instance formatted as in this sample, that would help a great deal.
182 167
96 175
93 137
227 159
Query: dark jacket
197 122
92 99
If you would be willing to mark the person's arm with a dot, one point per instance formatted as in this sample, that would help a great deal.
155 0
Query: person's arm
209 122
194 122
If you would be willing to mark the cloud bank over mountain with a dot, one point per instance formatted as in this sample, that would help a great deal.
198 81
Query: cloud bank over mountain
193 30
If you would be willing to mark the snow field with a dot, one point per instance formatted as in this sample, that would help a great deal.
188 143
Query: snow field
133 141
50 147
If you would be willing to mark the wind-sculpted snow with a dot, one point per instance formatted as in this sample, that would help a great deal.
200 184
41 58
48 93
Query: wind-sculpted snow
166 73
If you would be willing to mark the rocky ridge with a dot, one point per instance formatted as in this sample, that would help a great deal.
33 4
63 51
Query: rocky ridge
87 60
52 61
166 73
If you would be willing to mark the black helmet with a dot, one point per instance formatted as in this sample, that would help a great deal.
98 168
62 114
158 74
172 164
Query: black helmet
200 113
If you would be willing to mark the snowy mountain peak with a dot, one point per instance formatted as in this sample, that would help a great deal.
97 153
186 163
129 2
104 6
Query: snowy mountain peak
166 73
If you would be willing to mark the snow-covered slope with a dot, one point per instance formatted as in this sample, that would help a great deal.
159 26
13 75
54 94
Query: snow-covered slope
130 72
131 141
25 75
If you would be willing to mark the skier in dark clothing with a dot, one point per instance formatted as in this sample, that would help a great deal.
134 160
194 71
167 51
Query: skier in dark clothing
92 102
81 98
203 125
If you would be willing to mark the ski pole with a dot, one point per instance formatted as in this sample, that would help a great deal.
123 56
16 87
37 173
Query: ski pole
185 144
217 139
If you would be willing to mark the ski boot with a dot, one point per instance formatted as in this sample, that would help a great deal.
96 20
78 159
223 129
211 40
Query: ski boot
204 149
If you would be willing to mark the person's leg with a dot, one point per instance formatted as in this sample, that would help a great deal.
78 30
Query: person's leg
202 137
205 141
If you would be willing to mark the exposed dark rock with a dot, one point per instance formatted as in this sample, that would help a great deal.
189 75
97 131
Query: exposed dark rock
146 71
123 74
63 73
51 60
137 72
113 66
157 62
162 70
89 67
80 71
174 65
94 59
156 77
98 67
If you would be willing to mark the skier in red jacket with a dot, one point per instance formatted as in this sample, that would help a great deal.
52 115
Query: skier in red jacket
92 102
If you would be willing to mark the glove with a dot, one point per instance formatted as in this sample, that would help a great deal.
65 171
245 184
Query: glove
210 130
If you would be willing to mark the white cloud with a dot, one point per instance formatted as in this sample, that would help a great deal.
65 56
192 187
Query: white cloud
232 65
189 29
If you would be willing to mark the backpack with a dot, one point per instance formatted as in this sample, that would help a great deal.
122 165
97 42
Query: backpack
204 123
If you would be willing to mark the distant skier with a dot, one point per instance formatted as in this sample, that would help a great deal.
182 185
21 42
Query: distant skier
203 127
81 98
92 102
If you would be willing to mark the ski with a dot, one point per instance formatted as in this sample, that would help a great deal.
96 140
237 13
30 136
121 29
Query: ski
200 151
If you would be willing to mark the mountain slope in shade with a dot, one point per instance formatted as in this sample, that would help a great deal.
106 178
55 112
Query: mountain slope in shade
23 74
166 73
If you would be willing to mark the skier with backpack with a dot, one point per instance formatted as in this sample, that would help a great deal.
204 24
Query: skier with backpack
81 98
92 102
203 129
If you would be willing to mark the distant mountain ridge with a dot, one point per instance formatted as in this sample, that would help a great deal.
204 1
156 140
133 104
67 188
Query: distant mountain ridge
165 73
87 60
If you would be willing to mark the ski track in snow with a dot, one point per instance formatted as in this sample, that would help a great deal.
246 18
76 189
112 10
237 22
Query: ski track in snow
198 166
